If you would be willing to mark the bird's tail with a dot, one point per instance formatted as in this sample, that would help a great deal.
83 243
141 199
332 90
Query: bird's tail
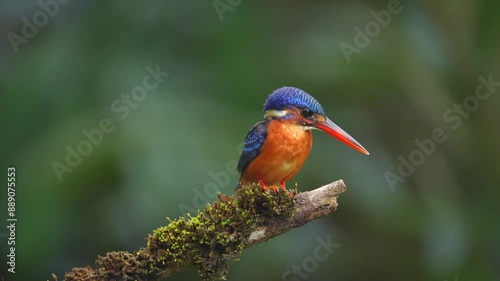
238 185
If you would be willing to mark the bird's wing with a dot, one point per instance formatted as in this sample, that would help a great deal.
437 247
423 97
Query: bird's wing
253 143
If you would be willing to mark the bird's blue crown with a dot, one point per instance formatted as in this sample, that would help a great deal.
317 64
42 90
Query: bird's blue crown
289 96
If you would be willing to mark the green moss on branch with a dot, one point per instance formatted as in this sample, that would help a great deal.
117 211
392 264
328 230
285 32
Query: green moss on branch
205 241
215 235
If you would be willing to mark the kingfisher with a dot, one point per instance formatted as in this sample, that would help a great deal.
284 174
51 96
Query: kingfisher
276 147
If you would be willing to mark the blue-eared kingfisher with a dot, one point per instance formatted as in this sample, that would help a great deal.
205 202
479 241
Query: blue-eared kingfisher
276 148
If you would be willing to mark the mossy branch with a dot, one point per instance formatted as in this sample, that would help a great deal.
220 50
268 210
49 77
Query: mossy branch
216 234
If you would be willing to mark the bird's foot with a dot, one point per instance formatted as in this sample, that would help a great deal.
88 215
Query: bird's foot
284 188
267 188
264 186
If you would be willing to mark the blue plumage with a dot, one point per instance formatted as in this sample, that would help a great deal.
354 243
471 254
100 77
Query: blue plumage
253 142
289 96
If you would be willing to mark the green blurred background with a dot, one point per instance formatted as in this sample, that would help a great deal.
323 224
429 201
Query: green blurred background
440 223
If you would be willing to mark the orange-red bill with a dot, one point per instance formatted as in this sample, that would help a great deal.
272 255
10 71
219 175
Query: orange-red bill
335 131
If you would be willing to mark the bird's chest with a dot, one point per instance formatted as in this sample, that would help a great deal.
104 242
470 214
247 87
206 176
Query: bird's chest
290 144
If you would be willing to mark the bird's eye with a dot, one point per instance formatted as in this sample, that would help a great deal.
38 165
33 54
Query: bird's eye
307 113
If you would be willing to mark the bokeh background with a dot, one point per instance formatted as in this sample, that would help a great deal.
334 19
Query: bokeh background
441 223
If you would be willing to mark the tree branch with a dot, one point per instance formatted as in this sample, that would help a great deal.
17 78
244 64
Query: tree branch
310 206
216 234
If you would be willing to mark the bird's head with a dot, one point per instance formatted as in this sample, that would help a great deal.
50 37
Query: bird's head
289 103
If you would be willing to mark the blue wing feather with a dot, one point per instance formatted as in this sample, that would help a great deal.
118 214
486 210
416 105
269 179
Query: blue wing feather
253 143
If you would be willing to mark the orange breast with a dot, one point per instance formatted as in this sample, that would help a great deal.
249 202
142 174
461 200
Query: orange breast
283 153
